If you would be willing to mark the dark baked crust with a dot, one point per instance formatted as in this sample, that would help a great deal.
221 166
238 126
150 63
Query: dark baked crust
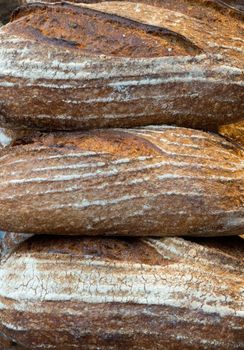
158 65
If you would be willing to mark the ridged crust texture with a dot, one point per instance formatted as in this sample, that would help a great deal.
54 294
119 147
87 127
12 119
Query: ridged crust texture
101 293
134 64
160 181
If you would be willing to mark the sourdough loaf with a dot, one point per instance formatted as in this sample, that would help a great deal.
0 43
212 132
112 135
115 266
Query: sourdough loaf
166 180
98 293
134 64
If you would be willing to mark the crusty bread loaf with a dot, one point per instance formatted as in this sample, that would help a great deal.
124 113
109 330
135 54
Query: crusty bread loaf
134 64
98 293
160 181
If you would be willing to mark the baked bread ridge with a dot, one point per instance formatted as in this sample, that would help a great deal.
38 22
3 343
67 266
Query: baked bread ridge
188 82
123 293
166 180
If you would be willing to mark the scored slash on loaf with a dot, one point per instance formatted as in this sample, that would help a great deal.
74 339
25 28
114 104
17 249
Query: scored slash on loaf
134 64
98 293
162 180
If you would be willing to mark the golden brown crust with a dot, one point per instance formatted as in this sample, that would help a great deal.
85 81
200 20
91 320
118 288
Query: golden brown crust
158 181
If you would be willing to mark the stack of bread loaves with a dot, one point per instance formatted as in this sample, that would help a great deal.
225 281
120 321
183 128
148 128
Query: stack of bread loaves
109 115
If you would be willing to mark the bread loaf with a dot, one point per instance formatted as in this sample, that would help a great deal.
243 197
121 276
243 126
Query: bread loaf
97 293
134 64
161 180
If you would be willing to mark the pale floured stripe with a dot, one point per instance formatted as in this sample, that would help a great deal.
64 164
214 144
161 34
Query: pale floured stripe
84 67
128 83
208 137
117 97
124 162
120 282
114 171
46 157
232 166
90 68
199 177
160 141
79 165
68 167
175 79
85 203
175 248
133 182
